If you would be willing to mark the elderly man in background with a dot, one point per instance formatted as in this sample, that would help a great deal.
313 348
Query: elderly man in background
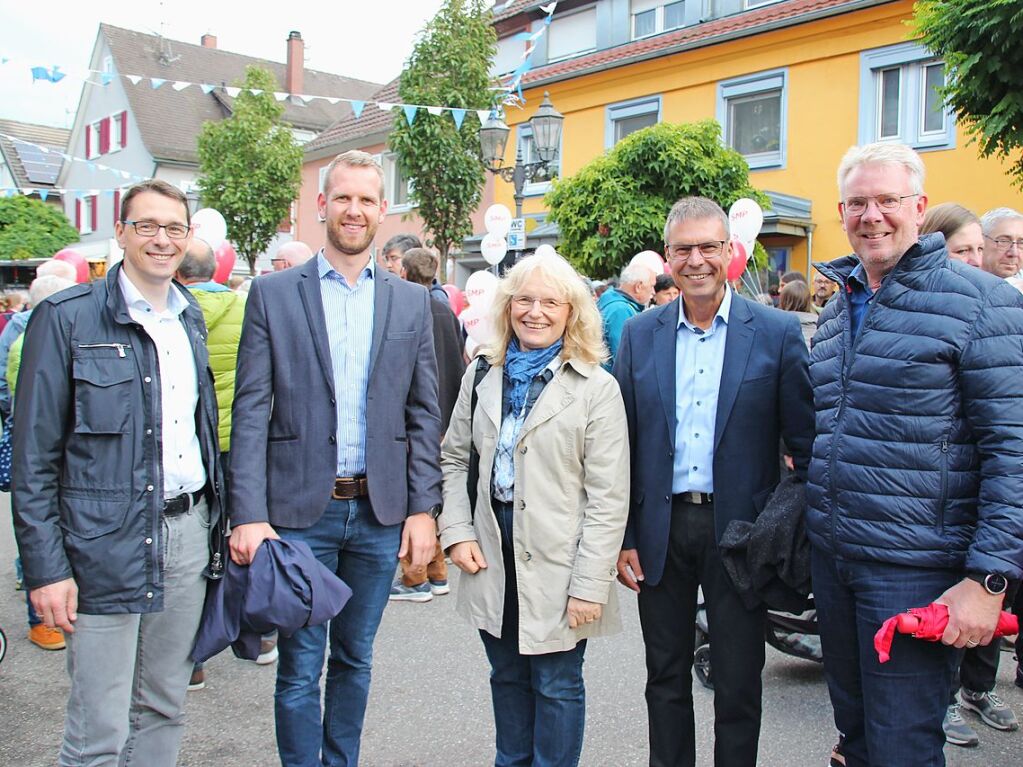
1003 242
390 258
291 254
617 305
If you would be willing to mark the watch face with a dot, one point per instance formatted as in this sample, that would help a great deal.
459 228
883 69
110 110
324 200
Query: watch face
995 583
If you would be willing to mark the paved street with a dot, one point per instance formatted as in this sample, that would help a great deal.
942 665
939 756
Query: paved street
430 703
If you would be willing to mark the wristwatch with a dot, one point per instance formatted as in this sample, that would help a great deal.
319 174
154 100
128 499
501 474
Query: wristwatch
993 583
435 510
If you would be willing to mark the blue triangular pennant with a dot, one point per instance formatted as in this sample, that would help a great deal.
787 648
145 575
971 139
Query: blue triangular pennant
459 116
156 82
357 107
410 112
106 78
207 88
43 194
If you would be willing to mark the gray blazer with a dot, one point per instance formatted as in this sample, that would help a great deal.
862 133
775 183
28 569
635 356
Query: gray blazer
283 451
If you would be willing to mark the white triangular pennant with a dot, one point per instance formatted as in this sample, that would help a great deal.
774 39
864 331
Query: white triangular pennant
435 111
180 85
134 79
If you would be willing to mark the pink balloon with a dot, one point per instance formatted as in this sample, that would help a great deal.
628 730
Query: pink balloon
738 263
455 297
77 260
226 257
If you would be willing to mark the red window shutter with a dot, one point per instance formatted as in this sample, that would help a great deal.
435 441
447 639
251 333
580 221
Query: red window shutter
78 213
104 135
117 205
124 129
88 141
94 221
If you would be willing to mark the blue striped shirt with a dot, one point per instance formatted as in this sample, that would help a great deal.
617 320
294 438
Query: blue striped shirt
348 311
699 359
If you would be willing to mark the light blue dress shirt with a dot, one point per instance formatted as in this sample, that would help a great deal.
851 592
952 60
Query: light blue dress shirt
348 311
699 358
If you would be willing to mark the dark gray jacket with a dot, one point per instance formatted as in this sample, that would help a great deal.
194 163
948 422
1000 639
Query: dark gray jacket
87 490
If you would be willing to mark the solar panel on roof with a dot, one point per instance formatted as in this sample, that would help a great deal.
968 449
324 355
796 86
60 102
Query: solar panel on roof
40 167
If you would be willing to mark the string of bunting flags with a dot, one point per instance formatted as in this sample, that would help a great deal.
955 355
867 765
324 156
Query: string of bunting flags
510 92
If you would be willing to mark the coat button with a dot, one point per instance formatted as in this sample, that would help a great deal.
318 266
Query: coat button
147 379
332 439
149 541
149 488
522 450
149 595
667 499
148 432
522 505
333 401
527 556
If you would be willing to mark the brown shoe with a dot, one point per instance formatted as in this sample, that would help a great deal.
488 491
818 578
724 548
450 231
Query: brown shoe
43 636
198 680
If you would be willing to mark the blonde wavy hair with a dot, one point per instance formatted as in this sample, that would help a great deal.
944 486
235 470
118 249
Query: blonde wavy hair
583 339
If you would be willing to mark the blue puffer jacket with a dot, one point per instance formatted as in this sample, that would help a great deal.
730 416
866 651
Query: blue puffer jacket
918 458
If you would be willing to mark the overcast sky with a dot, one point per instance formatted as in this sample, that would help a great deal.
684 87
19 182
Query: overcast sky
367 39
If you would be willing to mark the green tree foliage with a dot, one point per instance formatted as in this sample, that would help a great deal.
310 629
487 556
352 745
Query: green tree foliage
29 228
250 166
978 39
616 205
450 66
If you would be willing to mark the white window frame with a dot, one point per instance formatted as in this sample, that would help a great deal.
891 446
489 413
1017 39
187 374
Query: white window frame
625 109
751 4
390 166
322 176
658 10
116 129
563 17
751 85
912 60
536 188
94 129
88 221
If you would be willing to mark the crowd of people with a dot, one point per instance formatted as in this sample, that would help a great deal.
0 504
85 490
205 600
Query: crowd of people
168 430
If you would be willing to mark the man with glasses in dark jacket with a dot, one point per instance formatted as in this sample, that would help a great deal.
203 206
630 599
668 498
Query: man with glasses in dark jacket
915 492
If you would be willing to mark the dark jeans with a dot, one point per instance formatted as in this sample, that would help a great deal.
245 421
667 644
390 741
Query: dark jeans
350 542
890 714
539 700
667 614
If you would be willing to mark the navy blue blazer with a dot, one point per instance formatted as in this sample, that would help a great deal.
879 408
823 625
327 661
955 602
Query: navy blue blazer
284 588
764 394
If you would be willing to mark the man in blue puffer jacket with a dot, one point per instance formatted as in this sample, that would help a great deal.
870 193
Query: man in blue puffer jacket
916 480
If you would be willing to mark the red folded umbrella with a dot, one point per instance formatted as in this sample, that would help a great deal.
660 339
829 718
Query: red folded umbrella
928 623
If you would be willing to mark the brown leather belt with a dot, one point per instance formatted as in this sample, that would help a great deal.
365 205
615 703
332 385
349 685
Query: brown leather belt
349 488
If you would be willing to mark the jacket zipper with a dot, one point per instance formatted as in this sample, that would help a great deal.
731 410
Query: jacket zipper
944 486
120 347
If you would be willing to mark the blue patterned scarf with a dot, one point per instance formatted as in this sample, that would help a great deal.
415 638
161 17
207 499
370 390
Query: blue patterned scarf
520 367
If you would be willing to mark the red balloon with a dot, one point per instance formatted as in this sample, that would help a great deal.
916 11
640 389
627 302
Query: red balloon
77 260
738 263
226 257
455 297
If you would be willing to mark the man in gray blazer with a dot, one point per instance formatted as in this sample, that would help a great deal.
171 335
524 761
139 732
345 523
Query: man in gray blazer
335 442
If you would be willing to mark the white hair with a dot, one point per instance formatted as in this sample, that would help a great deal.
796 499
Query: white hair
990 220
635 273
45 286
57 267
882 153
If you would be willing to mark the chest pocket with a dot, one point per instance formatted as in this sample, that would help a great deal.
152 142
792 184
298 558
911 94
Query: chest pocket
103 394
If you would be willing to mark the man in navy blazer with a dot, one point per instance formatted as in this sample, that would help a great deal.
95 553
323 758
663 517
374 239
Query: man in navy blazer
711 382
335 441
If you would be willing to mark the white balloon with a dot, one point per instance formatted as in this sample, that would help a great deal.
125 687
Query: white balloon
478 324
498 219
650 260
210 226
745 219
493 247
546 250
480 290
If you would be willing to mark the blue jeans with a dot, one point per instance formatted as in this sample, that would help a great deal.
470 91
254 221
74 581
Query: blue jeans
350 542
33 618
890 714
539 700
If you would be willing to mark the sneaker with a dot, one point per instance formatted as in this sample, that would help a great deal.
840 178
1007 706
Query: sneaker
19 584
198 680
439 588
402 593
991 710
957 731
46 638
267 652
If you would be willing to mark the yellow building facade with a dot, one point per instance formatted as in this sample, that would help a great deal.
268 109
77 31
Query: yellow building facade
832 81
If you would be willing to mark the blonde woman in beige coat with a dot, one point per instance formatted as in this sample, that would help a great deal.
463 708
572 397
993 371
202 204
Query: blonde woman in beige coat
538 556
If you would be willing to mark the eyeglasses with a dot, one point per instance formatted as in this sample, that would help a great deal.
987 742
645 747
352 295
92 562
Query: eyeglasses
886 203
709 250
547 304
150 228
1004 243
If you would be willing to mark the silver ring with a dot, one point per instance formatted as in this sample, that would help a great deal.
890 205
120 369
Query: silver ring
970 643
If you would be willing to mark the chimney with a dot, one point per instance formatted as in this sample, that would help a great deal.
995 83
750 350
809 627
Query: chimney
208 41
296 64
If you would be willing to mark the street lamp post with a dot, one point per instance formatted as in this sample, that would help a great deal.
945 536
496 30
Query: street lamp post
546 128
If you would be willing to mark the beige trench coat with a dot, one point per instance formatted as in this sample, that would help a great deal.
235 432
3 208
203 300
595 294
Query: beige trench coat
571 504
